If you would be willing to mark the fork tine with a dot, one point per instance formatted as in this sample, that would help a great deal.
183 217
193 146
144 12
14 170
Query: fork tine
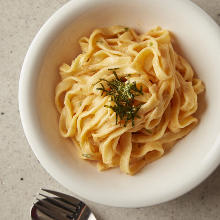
65 197
60 203
49 213
50 205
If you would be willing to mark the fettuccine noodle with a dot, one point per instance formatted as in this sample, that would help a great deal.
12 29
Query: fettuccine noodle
168 102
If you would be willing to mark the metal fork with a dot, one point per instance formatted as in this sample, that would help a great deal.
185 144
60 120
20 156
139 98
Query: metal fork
60 207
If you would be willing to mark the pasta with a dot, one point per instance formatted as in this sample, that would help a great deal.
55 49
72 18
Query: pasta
160 83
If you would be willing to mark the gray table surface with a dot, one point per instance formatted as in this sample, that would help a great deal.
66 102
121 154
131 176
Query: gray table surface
21 175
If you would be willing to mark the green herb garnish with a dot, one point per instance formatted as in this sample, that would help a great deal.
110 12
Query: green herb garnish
86 155
126 29
116 68
122 93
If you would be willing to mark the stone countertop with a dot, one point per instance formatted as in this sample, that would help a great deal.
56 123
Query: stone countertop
21 175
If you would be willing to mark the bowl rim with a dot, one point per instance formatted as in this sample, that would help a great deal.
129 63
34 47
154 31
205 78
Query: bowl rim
54 25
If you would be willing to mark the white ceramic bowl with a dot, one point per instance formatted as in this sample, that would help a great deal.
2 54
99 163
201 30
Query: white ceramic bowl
190 161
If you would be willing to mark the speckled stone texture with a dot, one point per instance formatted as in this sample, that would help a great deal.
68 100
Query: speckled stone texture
21 175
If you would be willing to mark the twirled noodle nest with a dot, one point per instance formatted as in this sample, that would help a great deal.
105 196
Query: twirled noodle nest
168 102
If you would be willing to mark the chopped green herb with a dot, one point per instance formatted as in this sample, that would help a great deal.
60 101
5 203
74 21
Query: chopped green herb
86 155
116 68
122 93
126 29
151 44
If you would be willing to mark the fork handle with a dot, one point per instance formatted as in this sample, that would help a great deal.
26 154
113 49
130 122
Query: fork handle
86 214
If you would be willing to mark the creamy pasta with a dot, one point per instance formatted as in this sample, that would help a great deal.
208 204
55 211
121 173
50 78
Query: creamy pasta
161 87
